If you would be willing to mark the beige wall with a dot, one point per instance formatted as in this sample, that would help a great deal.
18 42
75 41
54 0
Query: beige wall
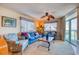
78 23
9 13
60 28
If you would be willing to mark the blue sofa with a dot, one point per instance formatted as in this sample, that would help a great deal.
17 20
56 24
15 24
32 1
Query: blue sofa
14 37
33 37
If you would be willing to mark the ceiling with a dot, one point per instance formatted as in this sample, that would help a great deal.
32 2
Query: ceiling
38 9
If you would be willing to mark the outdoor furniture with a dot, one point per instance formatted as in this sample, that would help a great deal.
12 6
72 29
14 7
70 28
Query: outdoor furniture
44 43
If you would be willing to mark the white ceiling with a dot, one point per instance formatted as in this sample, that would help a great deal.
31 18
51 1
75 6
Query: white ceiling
38 9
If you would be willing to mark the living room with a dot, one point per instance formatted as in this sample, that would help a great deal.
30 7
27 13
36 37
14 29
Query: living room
20 31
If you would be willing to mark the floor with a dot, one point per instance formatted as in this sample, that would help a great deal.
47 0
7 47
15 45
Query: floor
76 48
57 48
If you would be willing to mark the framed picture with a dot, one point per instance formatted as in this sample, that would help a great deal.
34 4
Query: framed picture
8 22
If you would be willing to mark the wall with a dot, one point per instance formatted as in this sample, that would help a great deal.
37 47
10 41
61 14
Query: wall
9 13
78 23
60 28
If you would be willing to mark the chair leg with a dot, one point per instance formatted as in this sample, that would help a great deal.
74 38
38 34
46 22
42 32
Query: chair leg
38 46
49 46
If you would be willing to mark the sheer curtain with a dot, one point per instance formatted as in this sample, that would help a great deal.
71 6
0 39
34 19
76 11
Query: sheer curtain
27 26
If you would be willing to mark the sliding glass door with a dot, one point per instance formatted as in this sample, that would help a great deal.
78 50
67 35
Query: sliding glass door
71 31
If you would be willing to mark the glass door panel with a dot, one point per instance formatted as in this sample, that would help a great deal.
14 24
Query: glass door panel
67 31
74 31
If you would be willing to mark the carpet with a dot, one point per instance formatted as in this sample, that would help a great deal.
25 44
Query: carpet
57 48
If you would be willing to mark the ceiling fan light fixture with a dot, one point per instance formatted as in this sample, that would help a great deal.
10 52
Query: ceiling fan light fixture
49 16
46 13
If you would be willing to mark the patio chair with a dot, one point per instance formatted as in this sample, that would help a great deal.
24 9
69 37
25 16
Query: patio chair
46 43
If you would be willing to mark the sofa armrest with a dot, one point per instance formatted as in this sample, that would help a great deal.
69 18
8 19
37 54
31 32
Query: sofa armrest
24 44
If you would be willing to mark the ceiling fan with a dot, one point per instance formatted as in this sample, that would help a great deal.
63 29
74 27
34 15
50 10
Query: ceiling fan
49 16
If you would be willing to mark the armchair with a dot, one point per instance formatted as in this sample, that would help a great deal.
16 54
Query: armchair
14 37
14 48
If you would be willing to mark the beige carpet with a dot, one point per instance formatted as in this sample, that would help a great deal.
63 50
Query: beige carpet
57 48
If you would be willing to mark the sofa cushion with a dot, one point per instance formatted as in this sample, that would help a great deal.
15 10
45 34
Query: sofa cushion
22 35
32 34
12 36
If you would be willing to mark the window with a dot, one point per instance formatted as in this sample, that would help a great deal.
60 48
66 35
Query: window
27 26
67 31
74 30
50 26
